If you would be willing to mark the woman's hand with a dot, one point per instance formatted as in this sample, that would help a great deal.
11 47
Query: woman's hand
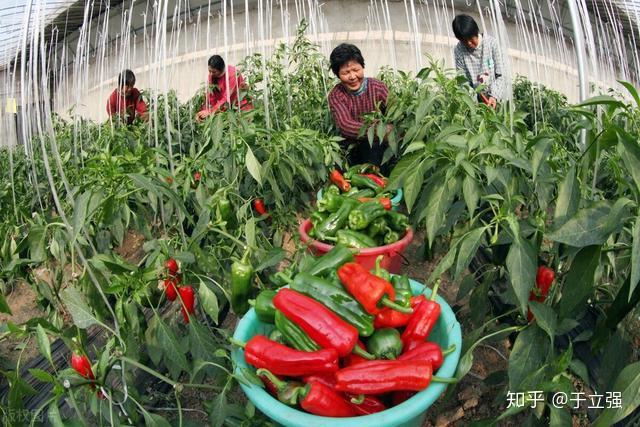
201 115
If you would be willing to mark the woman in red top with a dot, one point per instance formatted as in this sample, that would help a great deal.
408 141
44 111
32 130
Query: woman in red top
353 97
222 89
126 100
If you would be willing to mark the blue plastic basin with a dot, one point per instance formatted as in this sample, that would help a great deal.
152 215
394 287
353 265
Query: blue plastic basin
409 413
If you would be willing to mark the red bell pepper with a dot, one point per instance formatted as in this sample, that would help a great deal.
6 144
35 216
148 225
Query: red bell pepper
382 182
368 289
258 205
390 318
81 364
336 177
368 405
172 266
197 176
422 320
262 352
321 324
171 288
427 351
328 379
544 279
269 385
382 376
384 201
188 298
316 397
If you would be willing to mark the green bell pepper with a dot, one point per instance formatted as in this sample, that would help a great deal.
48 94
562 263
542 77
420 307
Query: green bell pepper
336 221
365 182
362 168
241 278
330 261
391 236
335 298
293 334
356 193
330 203
403 290
331 190
355 239
377 227
362 215
265 310
385 343
397 221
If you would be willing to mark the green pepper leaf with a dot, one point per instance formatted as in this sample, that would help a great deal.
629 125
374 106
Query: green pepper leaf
529 353
579 283
627 384
521 264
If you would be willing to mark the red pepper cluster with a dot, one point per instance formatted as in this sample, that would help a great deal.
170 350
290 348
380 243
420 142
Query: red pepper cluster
342 379
172 289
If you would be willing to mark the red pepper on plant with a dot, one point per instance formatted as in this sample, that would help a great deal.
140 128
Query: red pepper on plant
188 297
197 176
258 205
368 289
544 279
171 288
321 324
81 364
382 376
262 352
172 266
423 320
336 177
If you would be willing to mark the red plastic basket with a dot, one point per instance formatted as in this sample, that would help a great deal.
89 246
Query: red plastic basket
392 260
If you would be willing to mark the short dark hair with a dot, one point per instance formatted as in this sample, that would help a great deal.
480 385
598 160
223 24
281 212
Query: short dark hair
344 53
465 27
216 62
126 78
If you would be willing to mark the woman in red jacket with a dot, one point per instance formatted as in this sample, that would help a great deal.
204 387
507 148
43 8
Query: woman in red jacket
126 100
222 91
351 99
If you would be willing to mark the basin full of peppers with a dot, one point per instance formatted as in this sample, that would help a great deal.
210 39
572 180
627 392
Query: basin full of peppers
343 341
357 218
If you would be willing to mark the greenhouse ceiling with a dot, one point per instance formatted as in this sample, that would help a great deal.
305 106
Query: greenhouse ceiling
65 16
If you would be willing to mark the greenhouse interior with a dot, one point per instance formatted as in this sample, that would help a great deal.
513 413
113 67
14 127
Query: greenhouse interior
320 213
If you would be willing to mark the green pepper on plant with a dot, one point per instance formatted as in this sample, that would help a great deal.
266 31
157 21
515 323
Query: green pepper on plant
241 278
